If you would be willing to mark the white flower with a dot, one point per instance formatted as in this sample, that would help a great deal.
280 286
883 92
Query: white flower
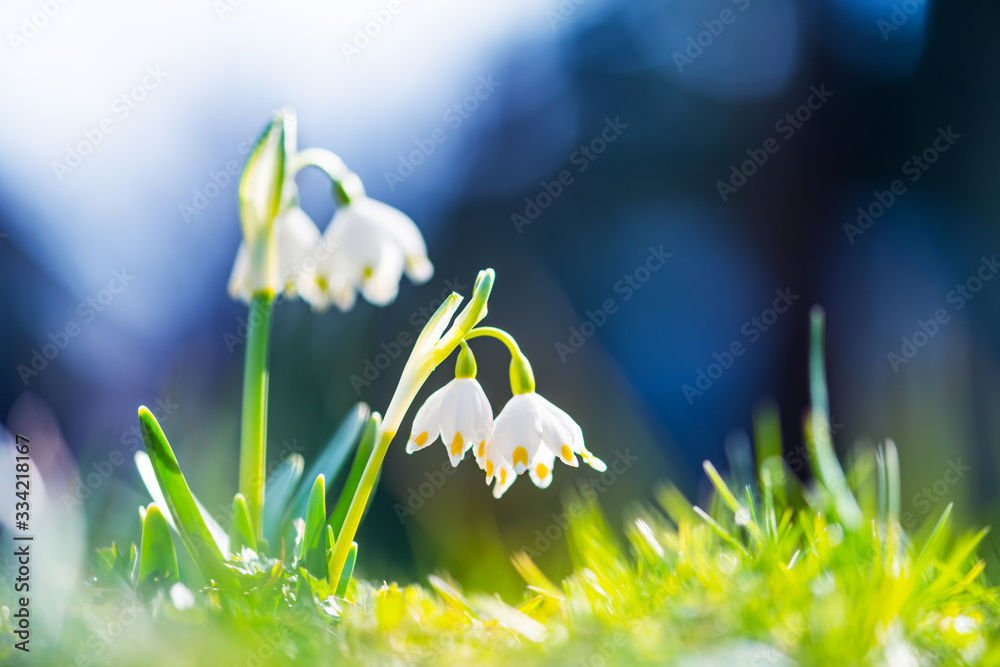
459 413
528 435
372 244
297 239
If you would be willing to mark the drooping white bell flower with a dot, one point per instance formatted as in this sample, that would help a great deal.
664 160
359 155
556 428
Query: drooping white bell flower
458 412
297 239
529 434
373 245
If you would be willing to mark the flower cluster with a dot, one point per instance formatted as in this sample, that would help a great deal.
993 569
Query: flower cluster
528 435
366 248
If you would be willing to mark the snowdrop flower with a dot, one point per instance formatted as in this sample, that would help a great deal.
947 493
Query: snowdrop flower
297 239
367 247
458 412
373 245
530 433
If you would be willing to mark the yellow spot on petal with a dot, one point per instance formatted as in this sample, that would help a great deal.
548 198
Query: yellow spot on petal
542 471
421 439
456 445
368 272
482 448
503 475
567 453
489 468
521 456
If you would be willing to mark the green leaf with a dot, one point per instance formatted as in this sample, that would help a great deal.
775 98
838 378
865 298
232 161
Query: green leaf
188 519
280 487
240 526
361 457
314 551
345 575
333 457
157 558
149 479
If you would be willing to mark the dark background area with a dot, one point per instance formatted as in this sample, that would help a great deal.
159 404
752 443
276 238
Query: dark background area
564 73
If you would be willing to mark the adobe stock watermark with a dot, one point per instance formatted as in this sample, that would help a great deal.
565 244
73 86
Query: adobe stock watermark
217 181
364 34
453 117
957 297
32 24
121 108
581 159
589 491
372 368
786 126
899 17
915 168
131 441
563 11
224 7
696 44
627 286
88 310
752 330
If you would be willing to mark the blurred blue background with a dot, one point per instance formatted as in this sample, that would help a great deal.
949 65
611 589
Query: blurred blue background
756 142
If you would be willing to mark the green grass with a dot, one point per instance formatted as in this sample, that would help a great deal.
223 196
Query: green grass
778 572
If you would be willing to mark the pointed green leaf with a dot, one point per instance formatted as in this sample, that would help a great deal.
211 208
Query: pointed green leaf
157 558
240 526
188 519
345 575
314 552
280 487
361 456
148 475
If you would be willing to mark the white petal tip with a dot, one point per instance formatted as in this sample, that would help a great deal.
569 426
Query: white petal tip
596 463
419 269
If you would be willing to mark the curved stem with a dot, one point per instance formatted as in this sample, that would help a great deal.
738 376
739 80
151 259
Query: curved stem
500 335
347 184
253 425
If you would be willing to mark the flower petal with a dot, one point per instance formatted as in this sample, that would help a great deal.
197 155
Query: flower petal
239 279
541 468
466 418
427 422
518 431
298 239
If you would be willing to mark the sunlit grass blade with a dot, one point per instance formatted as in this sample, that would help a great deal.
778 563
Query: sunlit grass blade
157 558
934 541
241 533
361 456
188 519
741 514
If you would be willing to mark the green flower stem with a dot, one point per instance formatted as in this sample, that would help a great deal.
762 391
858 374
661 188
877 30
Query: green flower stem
253 427
522 378
342 545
